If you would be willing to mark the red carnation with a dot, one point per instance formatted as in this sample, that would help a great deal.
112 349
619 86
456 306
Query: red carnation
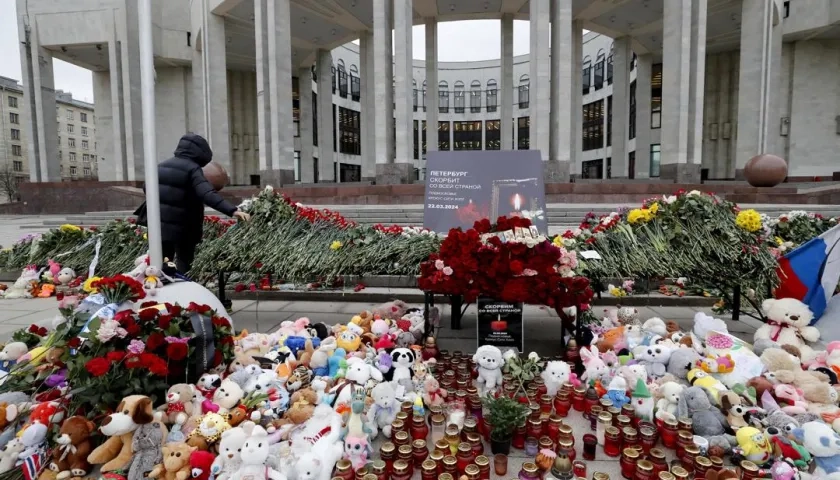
177 351
115 356
155 341
33 329
220 322
200 309
97 366
148 314
164 321
75 342
173 310
148 304
516 267
239 287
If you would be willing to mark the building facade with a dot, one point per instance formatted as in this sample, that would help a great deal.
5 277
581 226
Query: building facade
675 90
76 134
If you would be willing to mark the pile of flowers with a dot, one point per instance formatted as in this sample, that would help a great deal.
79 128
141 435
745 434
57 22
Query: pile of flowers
531 270
796 227
299 244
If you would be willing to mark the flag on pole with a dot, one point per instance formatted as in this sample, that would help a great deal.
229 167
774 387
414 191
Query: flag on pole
32 466
811 272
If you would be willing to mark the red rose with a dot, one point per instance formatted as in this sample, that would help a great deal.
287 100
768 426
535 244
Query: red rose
131 327
164 321
220 322
155 341
217 358
227 340
97 366
122 315
239 287
75 342
177 351
148 314
115 356
33 329
148 304
173 310
516 267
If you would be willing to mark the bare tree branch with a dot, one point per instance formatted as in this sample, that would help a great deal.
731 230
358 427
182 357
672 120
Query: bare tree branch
8 183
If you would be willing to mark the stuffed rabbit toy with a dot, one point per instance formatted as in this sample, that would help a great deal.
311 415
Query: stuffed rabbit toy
709 423
595 367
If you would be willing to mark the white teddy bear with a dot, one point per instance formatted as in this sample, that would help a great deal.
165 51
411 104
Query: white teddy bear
229 461
666 406
654 358
788 323
556 373
384 410
489 361
254 456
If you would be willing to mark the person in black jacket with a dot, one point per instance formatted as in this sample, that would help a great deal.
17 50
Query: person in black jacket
184 191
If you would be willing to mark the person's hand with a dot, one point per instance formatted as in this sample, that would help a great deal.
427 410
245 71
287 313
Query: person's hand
240 215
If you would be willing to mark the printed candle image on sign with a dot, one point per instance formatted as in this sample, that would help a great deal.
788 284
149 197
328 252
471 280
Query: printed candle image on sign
464 187
500 324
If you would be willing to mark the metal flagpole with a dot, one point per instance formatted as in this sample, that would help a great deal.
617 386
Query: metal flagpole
147 79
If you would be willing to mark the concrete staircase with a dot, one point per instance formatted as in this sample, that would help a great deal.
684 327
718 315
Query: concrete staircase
560 216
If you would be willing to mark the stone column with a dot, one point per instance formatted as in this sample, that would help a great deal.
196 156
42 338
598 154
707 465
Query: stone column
39 112
263 86
307 148
368 102
131 100
116 161
540 77
622 57
505 93
683 75
326 147
403 169
384 93
561 134
432 99
761 51
280 87
644 64
213 69
576 108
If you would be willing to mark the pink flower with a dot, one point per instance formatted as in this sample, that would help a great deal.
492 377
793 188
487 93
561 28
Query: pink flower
110 329
136 347
529 273
721 342
439 264
447 271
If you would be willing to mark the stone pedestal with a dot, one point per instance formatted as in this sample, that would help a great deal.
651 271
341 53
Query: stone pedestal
276 178
394 173
680 172
556 172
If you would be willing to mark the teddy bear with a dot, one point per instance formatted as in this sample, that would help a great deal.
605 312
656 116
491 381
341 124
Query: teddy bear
227 396
9 454
390 311
301 407
69 458
179 404
788 323
632 373
319 363
555 374
175 464
489 361
669 398
228 461
433 395
655 359
201 465
782 367
146 444
9 356
152 276
116 452
384 410
696 403
824 445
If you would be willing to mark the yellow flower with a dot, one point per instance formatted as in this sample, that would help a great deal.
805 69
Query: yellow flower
145 236
68 228
779 241
749 220
654 207
335 245
616 292
639 215
558 241
88 286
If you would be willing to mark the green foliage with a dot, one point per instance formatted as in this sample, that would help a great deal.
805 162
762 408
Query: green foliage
505 415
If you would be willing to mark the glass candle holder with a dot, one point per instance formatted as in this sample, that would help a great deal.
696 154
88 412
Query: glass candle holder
406 454
622 422
579 399
419 428
648 438
534 428
443 446
475 442
378 468
419 452
472 472
669 433
562 403
453 438
748 470
437 457
629 458
470 426
657 458
531 446
690 453
438 429
483 464
500 462
593 417
465 456
612 442
566 447
388 453
590 445
685 423
401 471
401 438
591 399
684 439
579 469
680 473
615 412
644 471
628 410
717 462
554 424
701 466
546 403
428 470
546 443
630 438
344 470
529 471
604 422
450 465
566 433
519 436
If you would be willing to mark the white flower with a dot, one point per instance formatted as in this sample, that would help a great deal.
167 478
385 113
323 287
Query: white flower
529 273
569 242
533 356
439 264
269 189
109 329
577 232
682 281
509 354
447 271
669 199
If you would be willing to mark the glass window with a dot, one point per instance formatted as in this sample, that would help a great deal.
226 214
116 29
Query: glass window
475 96
71 142
656 96
73 171
14 118
69 114
609 121
424 95
492 134
83 117
460 99
467 135
524 92
593 125
315 121
70 128
85 144
423 134
84 131
332 70
631 131
492 95
592 168
72 157
523 125
599 71
587 74
416 146
17 151
655 151
355 88
349 127
15 134
342 80
17 165
610 65
414 94
13 103
443 99
443 136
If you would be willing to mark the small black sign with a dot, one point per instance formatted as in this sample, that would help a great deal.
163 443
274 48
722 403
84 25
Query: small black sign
500 324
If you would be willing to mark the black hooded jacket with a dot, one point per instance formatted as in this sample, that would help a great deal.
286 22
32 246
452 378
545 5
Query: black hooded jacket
184 191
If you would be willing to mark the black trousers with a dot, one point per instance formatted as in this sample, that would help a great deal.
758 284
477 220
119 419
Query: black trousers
182 252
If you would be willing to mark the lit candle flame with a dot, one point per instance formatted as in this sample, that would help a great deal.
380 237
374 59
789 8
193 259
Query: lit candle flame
517 202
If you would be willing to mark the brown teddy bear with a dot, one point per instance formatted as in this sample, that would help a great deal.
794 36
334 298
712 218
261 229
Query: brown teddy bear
176 462
8 414
69 458
301 408
179 404
785 368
